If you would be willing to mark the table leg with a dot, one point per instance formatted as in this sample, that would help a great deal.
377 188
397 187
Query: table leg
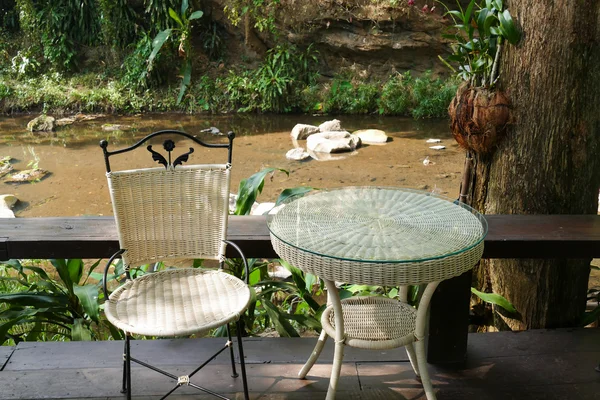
314 356
338 356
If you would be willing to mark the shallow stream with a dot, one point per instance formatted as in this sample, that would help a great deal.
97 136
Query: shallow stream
76 184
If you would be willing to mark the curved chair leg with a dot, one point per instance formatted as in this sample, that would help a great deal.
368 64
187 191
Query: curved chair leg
314 355
239 327
339 339
410 350
234 373
422 362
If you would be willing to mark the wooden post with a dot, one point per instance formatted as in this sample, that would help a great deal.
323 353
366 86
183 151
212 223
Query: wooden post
449 322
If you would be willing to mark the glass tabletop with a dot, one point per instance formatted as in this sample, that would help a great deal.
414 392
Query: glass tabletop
377 224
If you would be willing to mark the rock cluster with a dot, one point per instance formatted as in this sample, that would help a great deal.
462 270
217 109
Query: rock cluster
328 138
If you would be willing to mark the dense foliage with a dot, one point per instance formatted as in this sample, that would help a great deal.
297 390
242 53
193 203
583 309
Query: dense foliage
120 56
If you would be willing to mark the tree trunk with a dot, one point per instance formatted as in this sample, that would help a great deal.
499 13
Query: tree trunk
549 160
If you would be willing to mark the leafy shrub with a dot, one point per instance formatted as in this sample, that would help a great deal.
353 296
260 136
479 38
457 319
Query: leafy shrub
38 305
396 96
432 97
346 97
135 65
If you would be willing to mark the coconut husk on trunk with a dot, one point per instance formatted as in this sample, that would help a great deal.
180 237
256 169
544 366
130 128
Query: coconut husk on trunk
478 117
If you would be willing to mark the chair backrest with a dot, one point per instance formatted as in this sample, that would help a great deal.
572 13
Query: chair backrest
170 212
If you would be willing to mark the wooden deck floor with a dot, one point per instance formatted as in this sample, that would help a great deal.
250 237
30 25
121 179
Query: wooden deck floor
544 364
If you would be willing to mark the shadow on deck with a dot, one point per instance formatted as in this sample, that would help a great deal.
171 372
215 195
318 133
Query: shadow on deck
540 364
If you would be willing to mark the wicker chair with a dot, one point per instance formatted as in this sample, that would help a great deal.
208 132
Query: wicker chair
170 213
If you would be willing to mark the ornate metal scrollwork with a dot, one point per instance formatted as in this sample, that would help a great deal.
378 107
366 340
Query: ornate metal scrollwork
169 145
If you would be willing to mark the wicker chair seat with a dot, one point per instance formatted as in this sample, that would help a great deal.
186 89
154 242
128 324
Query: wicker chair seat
177 302
373 322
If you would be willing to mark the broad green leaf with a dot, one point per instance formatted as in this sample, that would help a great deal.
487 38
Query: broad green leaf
187 76
289 193
469 13
175 17
495 299
249 190
40 272
157 43
393 293
80 332
281 324
305 320
63 271
311 280
75 268
184 6
508 28
196 15
91 269
36 300
455 14
88 296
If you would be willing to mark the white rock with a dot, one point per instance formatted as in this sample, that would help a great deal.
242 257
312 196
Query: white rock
7 201
333 125
263 208
302 131
297 154
330 157
332 142
433 141
440 147
371 136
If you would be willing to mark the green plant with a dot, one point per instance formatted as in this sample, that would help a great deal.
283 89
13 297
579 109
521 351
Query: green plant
63 25
261 13
182 35
136 73
282 76
117 21
431 96
24 63
480 30
212 40
282 304
65 306
396 98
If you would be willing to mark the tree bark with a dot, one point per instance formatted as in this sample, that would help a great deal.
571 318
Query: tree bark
549 160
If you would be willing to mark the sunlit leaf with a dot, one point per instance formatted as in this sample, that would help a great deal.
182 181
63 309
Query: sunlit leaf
250 188
289 193
157 43
175 17
495 299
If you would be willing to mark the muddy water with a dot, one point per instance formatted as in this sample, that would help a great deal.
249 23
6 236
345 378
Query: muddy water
76 184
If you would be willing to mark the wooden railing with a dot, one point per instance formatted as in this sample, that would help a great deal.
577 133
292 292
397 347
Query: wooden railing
509 236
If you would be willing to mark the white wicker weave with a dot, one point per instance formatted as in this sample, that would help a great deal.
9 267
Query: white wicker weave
377 236
164 214
170 214
177 302
374 322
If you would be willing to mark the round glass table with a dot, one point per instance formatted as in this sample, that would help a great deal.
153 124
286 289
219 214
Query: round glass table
377 236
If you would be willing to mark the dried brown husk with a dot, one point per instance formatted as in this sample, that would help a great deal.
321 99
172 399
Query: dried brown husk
478 117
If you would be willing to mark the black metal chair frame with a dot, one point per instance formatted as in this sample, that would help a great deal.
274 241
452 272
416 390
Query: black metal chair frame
169 145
